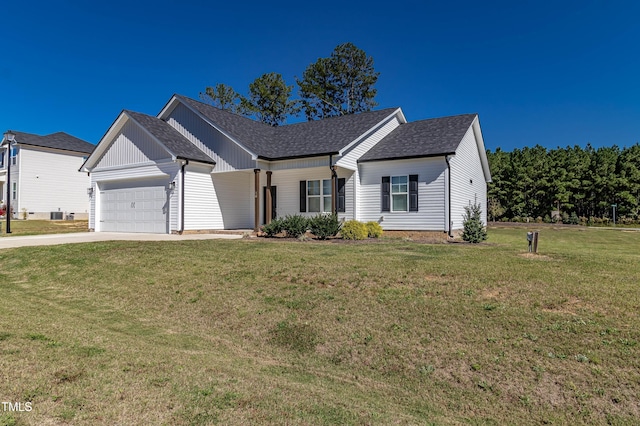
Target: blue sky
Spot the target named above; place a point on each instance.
(554, 73)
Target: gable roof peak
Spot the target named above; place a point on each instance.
(303, 139)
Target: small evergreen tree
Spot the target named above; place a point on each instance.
(474, 231)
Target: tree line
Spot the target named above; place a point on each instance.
(572, 183)
(336, 85)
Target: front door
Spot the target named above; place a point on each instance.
(273, 203)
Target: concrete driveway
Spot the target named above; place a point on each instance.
(88, 237)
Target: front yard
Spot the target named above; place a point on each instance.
(252, 332)
(37, 227)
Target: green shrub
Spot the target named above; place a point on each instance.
(295, 225)
(273, 228)
(474, 231)
(374, 230)
(354, 230)
(574, 219)
(324, 226)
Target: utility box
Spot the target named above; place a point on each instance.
(532, 239)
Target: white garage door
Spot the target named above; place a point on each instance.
(130, 208)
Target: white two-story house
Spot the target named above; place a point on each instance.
(45, 182)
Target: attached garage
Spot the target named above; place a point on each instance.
(134, 206)
(137, 175)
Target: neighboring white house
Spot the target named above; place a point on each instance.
(45, 182)
(197, 167)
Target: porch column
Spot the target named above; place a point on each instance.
(256, 225)
(269, 211)
(334, 190)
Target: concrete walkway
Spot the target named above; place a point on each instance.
(88, 237)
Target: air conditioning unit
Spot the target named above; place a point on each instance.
(56, 215)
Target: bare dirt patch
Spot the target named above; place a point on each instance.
(535, 256)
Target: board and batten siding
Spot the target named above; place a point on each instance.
(288, 189)
(167, 171)
(431, 194)
(468, 183)
(50, 181)
(350, 158)
(132, 145)
(228, 155)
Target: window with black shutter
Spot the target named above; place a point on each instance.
(413, 193)
(303, 196)
(385, 193)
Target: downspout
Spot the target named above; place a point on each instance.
(182, 196)
(447, 158)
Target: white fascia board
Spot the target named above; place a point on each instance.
(105, 143)
(173, 103)
(481, 149)
(397, 113)
(134, 166)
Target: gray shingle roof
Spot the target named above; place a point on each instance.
(425, 138)
(59, 140)
(177, 144)
(250, 133)
(308, 139)
(323, 137)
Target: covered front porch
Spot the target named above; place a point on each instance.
(304, 191)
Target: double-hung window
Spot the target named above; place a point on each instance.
(319, 195)
(315, 195)
(14, 192)
(399, 193)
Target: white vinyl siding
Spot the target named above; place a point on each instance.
(228, 155)
(49, 181)
(431, 194)
(288, 189)
(298, 163)
(218, 200)
(201, 206)
(350, 158)
(234, 191)
(132, 145)
(467, 180)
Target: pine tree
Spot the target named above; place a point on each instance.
(474, 230)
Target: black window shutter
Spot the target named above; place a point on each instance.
(385, 194)
(341, 199)
(413, 193)
(303, 196)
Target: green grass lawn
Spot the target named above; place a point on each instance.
(263, 332)
(37, 227)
